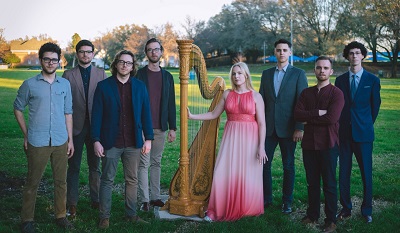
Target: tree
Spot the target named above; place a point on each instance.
(4, 46)
(137, 41)
(389, 14)
(11, 58)
(318, 20)
(192, 27)
(63, 62)
(168, 37)
(75, 39)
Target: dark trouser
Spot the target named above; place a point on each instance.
(363, 154)
(287, 147)
(74, 165)
(321, 163)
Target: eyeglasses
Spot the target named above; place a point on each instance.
(127, 63)
(354, 53)
(50, 60)
(83, 52)
(156, 50)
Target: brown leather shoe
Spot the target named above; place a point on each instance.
(329, 227)
(307, 220)
(95, 205)
(71, 211)
(64, 223)
(145, 207)
(136, 219)
(157, 202)
(104, 223)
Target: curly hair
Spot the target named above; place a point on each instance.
(116, 59)
(354, 45)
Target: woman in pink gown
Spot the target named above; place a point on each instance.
(237, 188)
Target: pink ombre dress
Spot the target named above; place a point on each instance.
(237, 188)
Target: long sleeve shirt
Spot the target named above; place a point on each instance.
(320, 132)
(48, 105)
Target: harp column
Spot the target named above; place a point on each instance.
(185, 48)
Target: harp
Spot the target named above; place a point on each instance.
(191, 185)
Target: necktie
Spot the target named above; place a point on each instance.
(353, 88)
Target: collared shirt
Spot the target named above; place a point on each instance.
(358, 77)
(278, 77)
(126, 135)
(48, 105)
(320, 132)
(85, 73)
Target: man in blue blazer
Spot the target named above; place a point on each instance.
(361, 91)
(121, 118)
(280, 88)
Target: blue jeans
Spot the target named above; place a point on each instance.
(74, 165)
(130, 160)
(321, 163)
(287, 147)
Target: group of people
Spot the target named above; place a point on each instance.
(126, 117)
(330, 121)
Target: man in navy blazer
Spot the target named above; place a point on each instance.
(361, 91)
(121, 118)
(280, 88)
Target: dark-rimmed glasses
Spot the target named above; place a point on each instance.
(127, 63)
(156, 50)
(87, 52)
(50, 60)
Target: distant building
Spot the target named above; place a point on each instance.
(27, 51)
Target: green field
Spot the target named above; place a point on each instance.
(386, 177)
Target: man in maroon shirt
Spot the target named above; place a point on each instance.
(319, 109)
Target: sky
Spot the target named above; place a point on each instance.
(60, 19)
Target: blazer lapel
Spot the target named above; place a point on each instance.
(270, 79)
(78, 80)
(114, 89)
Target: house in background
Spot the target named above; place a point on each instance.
(27, 51)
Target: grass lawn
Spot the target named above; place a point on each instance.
(386, 176)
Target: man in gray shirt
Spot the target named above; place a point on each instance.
(48, 135)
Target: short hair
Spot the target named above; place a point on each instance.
(49, 47)
(282, 41)
(116, 59)
(152, 40)
(322, 57)
(83, 43)
(354, 45)
(246, 71)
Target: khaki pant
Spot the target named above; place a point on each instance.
(37, 161)
(154, 161)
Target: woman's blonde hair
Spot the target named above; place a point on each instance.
(246, 71)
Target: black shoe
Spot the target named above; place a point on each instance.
(342, 215)
(306, 220)
(157, 202)
(64, 223)
(28, 227)
(367, 218)
(286, 208)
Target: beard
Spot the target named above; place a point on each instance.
(154, 60)
(49, 70)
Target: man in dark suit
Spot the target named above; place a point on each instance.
(280, 88)
(83, 79)
(121, 129)
(356, 132)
